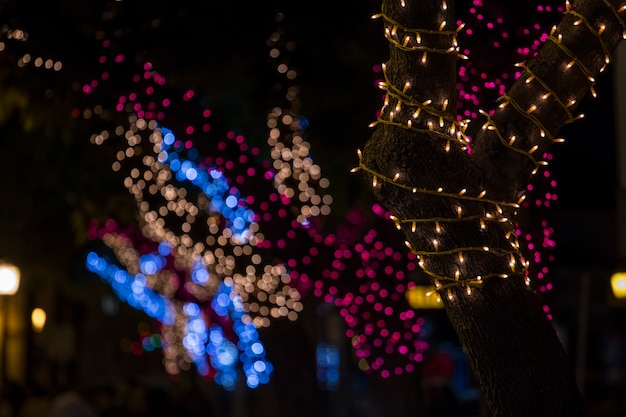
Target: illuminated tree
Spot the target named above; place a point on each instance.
(457, 209)
(355, 267)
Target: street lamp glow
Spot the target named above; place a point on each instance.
(9, 279)
(38, 319)
(618, 284)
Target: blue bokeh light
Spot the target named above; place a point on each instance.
(328, 361)
(151, 263)
(212, 182)
(252, 353)
(196, 337)
(199, 273)
(132, 289)
(200, 340)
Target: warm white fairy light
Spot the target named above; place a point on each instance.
(434, 122)
(297, 178)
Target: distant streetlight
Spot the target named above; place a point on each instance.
(618, 284)
(9, 278)
(38, 319)
(9, 284)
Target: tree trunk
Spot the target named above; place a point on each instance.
(456, 209)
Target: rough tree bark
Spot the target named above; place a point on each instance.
(456, 208)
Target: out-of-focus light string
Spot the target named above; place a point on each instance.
(384, 331)
(296, 174)
(144, 105)
(253, 289)
(223, 197)
(183, 246)
(132, 289)
(196, 337)
(256, 368)
(22, 36)
(199, 335)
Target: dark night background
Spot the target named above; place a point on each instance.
(54, 181)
